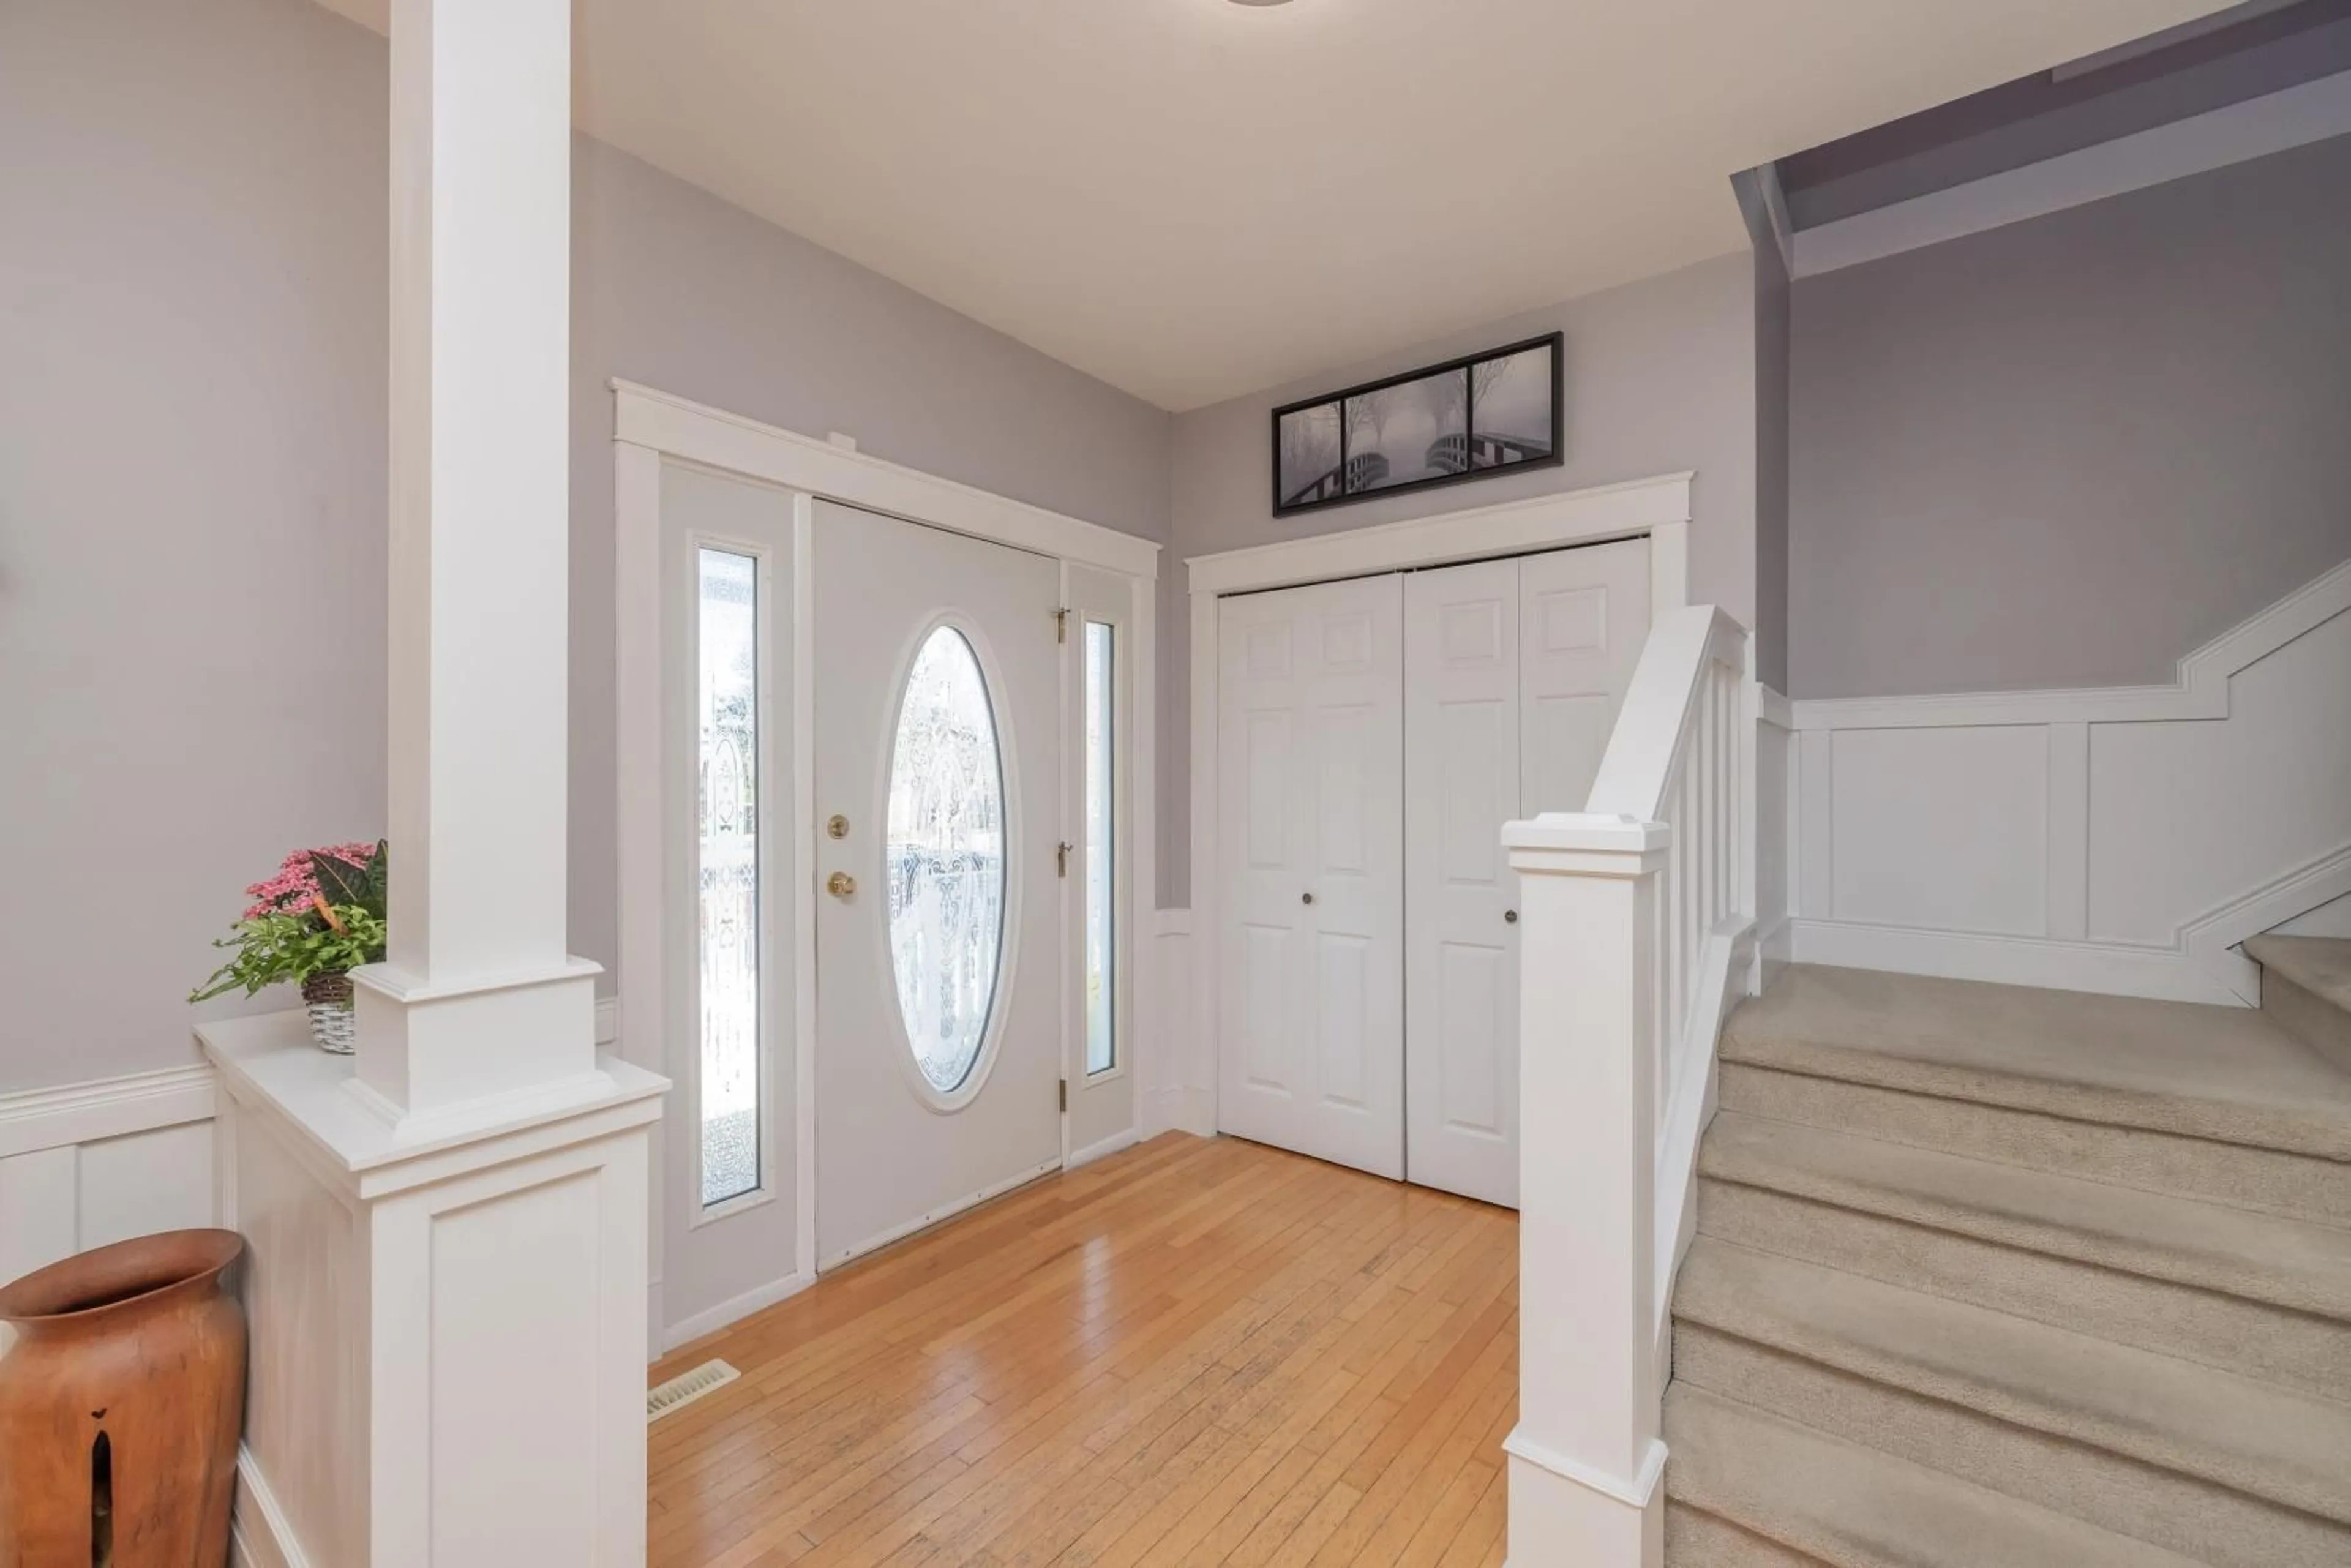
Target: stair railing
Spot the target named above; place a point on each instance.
(1638, 916)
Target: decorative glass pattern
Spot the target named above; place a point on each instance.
(1102, 857)
(945, 865)
(727, 690)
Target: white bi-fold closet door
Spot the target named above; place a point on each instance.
(1310, 799)
(1513, 673)
(1375, 735)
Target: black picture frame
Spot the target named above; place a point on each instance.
(1355, 476)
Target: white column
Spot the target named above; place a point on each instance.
(479, 998)
(448, 1297)
(1585, 1458)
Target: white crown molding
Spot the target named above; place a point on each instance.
(35, 1119)
(678, 427)
(2200, 691)
(2294, 117)
(1510, 527)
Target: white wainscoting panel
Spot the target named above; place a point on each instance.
(2121, 839)
(93, 1163)
(2229, 804)
(304, 1292)
(1972, 804)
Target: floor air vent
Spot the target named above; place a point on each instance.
(687, 1387)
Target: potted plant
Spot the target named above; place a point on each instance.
(321, 916)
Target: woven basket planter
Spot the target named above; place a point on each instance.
(328, 998)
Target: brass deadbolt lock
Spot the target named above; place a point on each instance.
(838, 826)
(840, 885)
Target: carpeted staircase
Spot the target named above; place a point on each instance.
(1995, 1278)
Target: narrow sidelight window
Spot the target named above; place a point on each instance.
(1101, 853)
(727, 693)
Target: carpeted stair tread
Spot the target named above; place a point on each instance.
(2223, 1074)
(2303, 1187)
(2284, 1262)
(2277, 1344)
(1848, 1506)
(2266, 1441)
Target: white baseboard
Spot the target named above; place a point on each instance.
(1104, 1149)
(1180, 1111)
(733, 1311)
(259, 1535)
(2165, 974)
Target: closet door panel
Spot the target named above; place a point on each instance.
(1311, 1039)
(1583, 615)
(1462, 727)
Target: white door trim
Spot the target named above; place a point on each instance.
(1658, 507)
(650, 425)
(677, 427)
(1653, 507)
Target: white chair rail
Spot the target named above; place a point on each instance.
(1638, 916)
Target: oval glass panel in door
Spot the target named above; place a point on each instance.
(946, 865)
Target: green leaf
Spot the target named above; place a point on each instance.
(339, 879)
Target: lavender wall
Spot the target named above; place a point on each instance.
(193, 307)
(2067, 452)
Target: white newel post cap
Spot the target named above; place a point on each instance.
(1587, 843)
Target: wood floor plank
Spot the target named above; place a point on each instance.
(1197, 1351)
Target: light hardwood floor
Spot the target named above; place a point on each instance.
(1199, 1351)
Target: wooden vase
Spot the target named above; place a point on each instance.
(121, 1403)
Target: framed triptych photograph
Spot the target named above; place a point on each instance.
(1464, 419)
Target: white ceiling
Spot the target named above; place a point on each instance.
(1193, 199)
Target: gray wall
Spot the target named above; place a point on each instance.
(192, 307)
(2069, 450)
(1660, 377)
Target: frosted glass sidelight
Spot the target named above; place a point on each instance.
(1102, 858)
(946, 867)
(727, 696)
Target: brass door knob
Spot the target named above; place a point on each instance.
(840, 885)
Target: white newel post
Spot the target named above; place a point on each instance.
(447, 1295)
(1585, 1458)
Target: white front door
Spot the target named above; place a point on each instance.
(1514, 672)
(938, 780)
(1310, 817)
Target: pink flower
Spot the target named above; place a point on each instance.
(296, 882)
